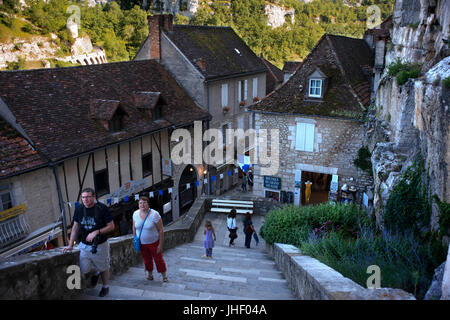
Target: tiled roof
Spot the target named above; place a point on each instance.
(274, 76)
(291, 66)
(16, 155)
(101, 109)
(53, 105)
(215, 51)
(346, 63)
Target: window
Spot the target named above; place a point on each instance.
(147, 164)
(255, 87)
(115, 124)
(101, 182)
(242, 90)
(5, 200)
(315, 88)
(224, 95)
(304, 138)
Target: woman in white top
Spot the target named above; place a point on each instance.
(152, 237)
(231, 225)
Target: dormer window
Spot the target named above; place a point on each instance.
(149, 103)
(315, 88)
(316, 84)
(109, 113)
(116, 123)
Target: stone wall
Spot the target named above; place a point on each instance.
(309, 279)
(336, 145)
(44, 274)
(414, 118)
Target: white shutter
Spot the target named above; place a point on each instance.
(304, 137)
(245, 90)
(300, 137)
(309, 137)
(224, 94)
(239, 91)
(241, 122)
(255, 87)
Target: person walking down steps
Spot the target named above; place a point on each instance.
(210, 237)
(231, 225)
(248, 229)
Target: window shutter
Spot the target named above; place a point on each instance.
(300, 137)
(255, 87)
(309, 137)
(239, 91)
(245, 90)
(224, 95)
(241, 122)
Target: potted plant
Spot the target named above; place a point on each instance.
(226, 109)
(255, 99)
(242, 103)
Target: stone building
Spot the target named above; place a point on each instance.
(105, 126)
(319, 114)
(219, 72)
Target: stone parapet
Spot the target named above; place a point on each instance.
(309, 279)
(45, 274)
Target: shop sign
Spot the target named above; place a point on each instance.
(272, 182)
(128, 189)
(167, 167)
(13, 212)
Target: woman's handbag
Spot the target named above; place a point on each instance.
(136, 239)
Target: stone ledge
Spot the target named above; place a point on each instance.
(309, 279)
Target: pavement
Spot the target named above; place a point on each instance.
(234, 273)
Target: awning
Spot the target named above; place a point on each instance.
(30, 244)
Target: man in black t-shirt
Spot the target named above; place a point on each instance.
(94, 221)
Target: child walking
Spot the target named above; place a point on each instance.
(209, 241)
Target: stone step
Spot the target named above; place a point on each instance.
(234, 273)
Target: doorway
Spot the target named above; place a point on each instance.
(320, 187)
(187, 190)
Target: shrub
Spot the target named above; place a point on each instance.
(446, 83)
(293, 224)
(363, 160)
(404, 262)
(408, 202)
(403, 71)
(16, 65)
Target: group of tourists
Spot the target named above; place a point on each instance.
(92, 221)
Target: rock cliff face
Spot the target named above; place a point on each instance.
(413, 118)
(277, 15)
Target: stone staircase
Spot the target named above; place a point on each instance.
(234, 273)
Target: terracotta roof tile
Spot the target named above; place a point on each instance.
(215, 51)
(53, 105)
(16, 155)
(347, 83)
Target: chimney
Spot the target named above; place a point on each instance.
(168, 22)
(154, 36)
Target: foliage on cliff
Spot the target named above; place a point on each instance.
(292, 41)
(120, 27)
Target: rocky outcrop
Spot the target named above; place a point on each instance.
(277, 15)
(38, 48)
(413, 118)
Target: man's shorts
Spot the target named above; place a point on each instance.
(99, 261)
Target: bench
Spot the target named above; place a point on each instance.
(225, 206)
